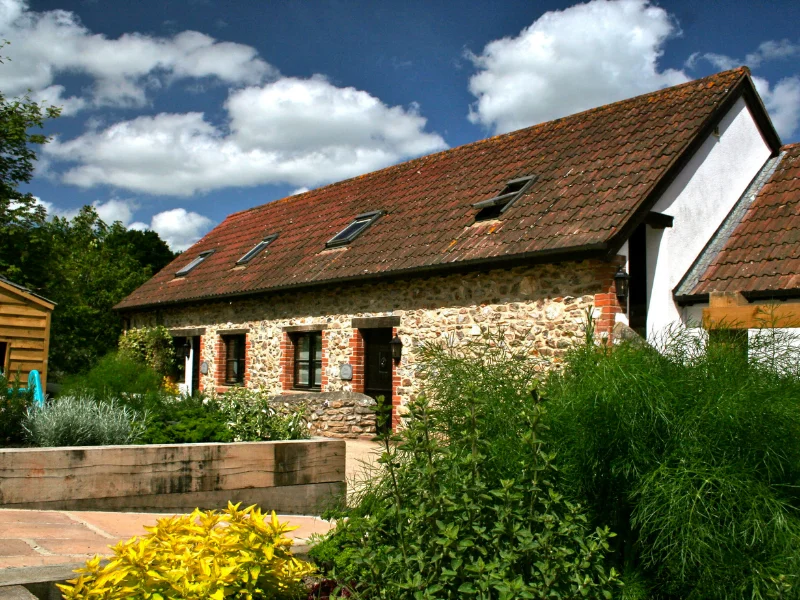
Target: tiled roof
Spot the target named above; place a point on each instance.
(596, 171)
(762, 254)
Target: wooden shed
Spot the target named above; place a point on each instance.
(24, 331)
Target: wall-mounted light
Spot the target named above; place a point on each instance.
(622, 284)
(187, 348)
(397, 348)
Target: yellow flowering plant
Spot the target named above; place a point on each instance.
(207, 554)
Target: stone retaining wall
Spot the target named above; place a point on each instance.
(291, 477)
(333, 414)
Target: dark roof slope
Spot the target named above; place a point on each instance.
(596, 171)
(762, 255)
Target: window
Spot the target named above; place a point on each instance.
(234, 359)
(308, 360)
(352, 231)
(251, 254)
(494, 207)
(3, 352)
(200, 258)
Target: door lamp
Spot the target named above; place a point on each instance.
(622, 284)
(397, 348)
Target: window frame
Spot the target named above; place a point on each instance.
(240, 358)
(257, 249)
(494, 207)
(195, 262)
(312, 361)
(368, 218)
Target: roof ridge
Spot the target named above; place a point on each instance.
(744, 71)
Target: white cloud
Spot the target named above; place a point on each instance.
(300, 190)
(179, 227)
(115, 209)
(783, 103)
(772, 50)
(47, 44)
(570, 60)
(298, 131)
(782, 100)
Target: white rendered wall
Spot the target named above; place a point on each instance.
(186, 387)
(701, 196)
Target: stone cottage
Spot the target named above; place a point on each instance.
(620, 209)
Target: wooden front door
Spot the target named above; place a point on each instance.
(378, 364)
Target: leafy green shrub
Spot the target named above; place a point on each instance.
(185, 420)
(231, 554)
(151, 346)
(456, 511)
(251, 417)
(115, 376)
(82, 421)
(14, 401)
(690, 451)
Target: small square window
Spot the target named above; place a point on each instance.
(308, 360)
(234, 358)
(192, 265)
(513, 190)
(256, 250)
(352, 231)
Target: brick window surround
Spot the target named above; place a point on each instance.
(221, 344)
(289, 348)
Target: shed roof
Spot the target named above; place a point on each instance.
(26, 293)
(597, 174)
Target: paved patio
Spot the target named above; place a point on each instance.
(45, 545)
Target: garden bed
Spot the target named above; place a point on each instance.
(290, 477)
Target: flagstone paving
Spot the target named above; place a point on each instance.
(39, 538)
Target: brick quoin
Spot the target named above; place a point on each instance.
(324, 381)
(199, 362)
(606, 301)
(287, 362)
(357, 361)
(396, 398)
(247, 360)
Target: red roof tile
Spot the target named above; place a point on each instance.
(595, 168)
(762, 254)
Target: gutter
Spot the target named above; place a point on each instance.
(577, 253)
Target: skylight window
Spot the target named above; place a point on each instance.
(494, 207)
(352, 231)
(254, 251)
(200, 258)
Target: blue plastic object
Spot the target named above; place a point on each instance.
(35, 385)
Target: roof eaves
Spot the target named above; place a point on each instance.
(691, 279)
(584, 252)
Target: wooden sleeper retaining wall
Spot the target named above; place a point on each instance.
(289, 477)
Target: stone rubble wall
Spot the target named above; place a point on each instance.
(333, 414)
(540, 310)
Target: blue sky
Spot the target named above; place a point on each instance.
(177, 113)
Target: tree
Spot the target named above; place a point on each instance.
(21, 218)
(146, 247)
(92, 270)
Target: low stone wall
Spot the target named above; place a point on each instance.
(292, 477)
(334, 414)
